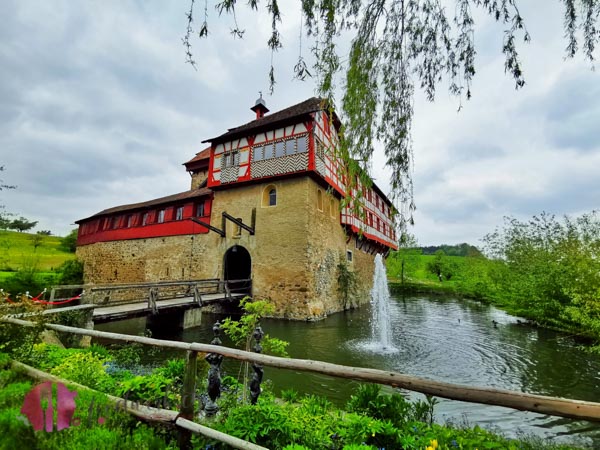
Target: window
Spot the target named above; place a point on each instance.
(161, 216)
(145, 219)
(349, 255)
(280, 149)
(129, 221)
(302, 144)
(200, 210)
(268, 150)
(332, 208)
(179, 213)
(269, 196)
(115, 222)
(257, 153)
(319, 200)
(230, 159)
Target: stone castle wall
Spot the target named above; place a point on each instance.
(295, 251)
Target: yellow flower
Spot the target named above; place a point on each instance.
(430, 448)
(434, 444)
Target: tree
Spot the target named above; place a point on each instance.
(407, 256)
(69, 242)
(397, 46)
(4, 217)
(71, 272)
(36, 241)
(22, 224)
(2, 185)
(552, 267)
(441, 266)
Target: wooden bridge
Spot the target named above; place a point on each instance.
(123, 301)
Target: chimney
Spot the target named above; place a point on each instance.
(260, 107)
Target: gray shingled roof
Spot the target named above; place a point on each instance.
(194, 193)
(306, 107)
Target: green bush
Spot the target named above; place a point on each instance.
(85, 368)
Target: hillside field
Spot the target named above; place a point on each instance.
(17, 252)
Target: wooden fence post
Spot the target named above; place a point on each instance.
(188, 397)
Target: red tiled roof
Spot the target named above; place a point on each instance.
(194, 193)
(204, 154)
(306, 107)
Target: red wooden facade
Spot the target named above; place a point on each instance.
(162, 217)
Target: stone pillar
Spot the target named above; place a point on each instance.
(192, 317)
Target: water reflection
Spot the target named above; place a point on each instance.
(442, 339)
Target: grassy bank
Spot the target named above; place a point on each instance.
(17, 251)
(32, 262)
(370, 420)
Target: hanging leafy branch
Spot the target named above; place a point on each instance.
(397, 46)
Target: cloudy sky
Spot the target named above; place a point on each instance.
(98, 109)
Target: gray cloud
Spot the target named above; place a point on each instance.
(98, 108)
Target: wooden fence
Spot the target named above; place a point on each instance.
(575, 409)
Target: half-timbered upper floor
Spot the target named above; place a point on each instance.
(296, 141)
(299, 140)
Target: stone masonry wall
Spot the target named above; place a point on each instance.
(295, 251)
(327, 246)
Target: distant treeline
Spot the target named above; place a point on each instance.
(463, 249)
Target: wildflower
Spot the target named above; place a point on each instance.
(434, 444)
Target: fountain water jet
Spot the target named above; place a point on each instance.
(381, 332)
(380, 341)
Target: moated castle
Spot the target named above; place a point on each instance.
(264, 205)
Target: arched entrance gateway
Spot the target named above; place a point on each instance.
(237, 267)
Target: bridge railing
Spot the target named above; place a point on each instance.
(116, 294)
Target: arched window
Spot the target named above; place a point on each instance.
(269, 197)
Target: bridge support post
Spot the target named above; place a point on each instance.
(192, 317)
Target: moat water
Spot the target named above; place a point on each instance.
(445, 339)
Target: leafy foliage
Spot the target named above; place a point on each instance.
(70, 272)
(119, 430)
(441, 266)
(372, 421)
(21, 224)
(240, 331)
(85, 368)
(549, 269)
(463, 249)
(69, 242)
(546, 269)
(347, 282)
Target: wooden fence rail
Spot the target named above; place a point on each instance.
(576, 409)
(148, 413)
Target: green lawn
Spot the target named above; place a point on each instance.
(17, 251)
